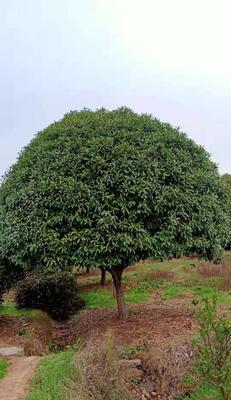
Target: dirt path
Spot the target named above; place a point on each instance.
(16, 383)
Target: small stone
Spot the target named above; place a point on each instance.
(130, 363)
(146, 394)
(11, 351)
(148, 386)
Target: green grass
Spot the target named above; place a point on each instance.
(140, 284)
(52, 377)
(208, 291)
(204, 392)
(100, 298)
(149, 268)
(172, 290)
(104, 298)
(150, 285)
(136, 295)
(11, 310)
(129, 351)
(3, 368)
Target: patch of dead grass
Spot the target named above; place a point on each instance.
(99, 375)
(161, 274)
(223, 272)
(211, 270)
(167, 364)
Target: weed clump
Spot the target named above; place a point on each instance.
(129, 351)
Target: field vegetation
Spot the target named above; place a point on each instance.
(169, 361)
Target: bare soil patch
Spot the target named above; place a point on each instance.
(152, 321)
(31, 334)
(95, 286)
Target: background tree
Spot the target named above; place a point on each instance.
(106, 189)
(103, 277)
(226, 181)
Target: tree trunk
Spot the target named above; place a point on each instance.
(103, 277)
(117, 275)
(113, 290)
(88, 270)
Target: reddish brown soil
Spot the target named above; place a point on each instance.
(32, 334)
(150, 321)
(95, 286)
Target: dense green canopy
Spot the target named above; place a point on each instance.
(104, 189)
(101, 188)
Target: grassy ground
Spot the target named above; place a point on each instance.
(143, 282)
(165, 281)
(52, 377)
(203, 393)
(3, 368)
(11, 310)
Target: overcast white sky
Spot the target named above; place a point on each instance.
(170, 58)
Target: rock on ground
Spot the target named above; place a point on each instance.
(11, 351)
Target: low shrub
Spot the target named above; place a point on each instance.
(56, 293)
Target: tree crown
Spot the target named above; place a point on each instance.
(108, 188)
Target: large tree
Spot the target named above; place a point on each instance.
(105, 189)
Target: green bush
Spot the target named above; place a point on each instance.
(214, 348)
(56, 293)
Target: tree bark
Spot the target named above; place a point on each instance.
(117, 275)
(103, 277)
(113, 290)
